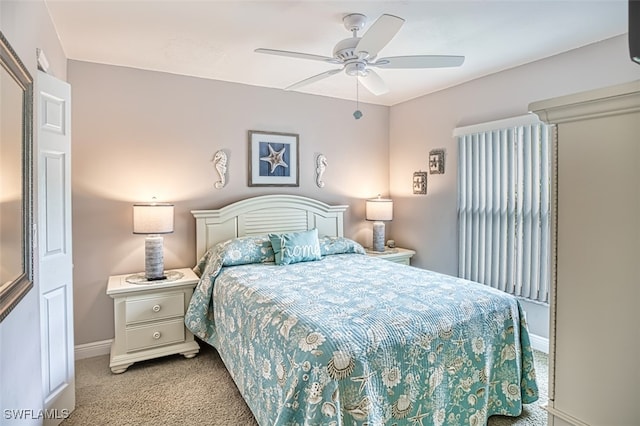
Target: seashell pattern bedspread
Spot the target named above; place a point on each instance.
(354, 340)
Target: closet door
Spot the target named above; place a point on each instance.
(594, 332)
(55, 268)
(597, 292)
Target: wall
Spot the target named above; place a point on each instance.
(27, 26)
(138, 134)
(429, 223)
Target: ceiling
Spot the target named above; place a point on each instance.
(216, 39)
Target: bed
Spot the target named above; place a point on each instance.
(348, 339)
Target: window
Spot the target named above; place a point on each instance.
(504, 206)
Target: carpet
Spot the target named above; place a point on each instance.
(174, 391)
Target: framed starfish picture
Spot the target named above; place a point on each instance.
(273, 159)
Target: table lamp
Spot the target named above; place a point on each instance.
(378, 210)
(153, 219)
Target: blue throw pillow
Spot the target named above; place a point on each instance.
(339, 245)
(248, 249)
(238, 251)
(294, 247)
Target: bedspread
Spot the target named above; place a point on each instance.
(353, 340)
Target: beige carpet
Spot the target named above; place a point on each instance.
(198, 391)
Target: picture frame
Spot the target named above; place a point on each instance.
(273, 159)
(420, 183)
(436, 161)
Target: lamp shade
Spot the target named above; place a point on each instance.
(379, 209)
(152, 218)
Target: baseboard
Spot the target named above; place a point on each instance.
(539, 343)
(566, 418)
(89, 350)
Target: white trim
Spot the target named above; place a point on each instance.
(43, 63)
(620, 99)
(521, 120)
(89, 350)
(539, 343)
(564, 416)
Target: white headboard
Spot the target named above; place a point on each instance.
(264, 214)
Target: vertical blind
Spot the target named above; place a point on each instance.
(504, 206)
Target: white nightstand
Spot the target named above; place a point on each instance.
(397, 254)
(149, 318)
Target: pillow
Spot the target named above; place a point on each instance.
(296, 247)
(238, 251)
(339, 245)
(249, 249)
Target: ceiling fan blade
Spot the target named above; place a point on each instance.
(298, 55)
(380, 33)
(419, 61)
(313, 79)
(374, 83)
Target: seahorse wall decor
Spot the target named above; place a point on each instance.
(220, 162)
(321, 165)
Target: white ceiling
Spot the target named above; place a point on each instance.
(216, 39)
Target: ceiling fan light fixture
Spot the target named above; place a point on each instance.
(356, 68)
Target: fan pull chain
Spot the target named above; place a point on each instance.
(357, 114)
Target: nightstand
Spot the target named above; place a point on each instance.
(149, 317)
(397, 255)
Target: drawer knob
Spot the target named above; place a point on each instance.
(156, 308)
(156, 335)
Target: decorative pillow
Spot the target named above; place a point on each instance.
(339, 245)
(249, 249)
(238, 251)
(296, 247)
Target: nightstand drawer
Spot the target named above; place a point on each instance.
(148, 336)
(149, 308)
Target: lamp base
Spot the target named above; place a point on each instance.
(162, 278)
(378, 236)
(153, 258)
(142, 279)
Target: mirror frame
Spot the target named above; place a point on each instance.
(12, 292)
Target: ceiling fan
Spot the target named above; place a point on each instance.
(358, 55)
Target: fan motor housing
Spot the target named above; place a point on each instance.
(346, 49)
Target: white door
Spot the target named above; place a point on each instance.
(55, 267)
